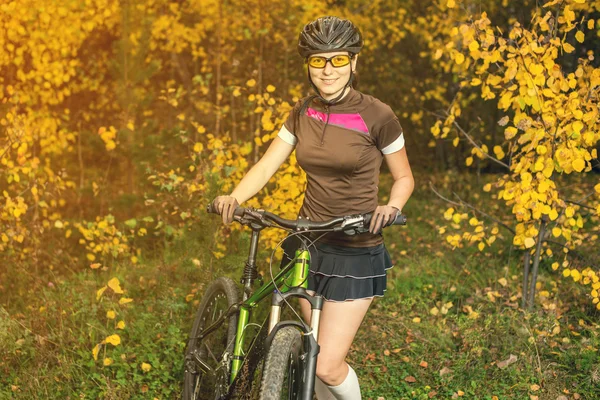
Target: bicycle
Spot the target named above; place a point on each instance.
(216, 367)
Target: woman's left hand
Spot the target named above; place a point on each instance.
(383, 216)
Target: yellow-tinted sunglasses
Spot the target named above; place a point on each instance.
(340, 60)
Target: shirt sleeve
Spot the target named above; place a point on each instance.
(390, 137)
(287, 136)
(291, 122)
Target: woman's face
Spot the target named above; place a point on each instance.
(331, 80)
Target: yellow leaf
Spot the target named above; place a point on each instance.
(146, 367)
(469, 161)
(95, 351)
(460, 58)
(198, 147)
(556, 231)
(455, 141)
(503, 282)
(451, 4)
(487, 187)
(201, 129)
(597, 188)
(121, 325)
(91, 257)
(434, 311)
(270, 88)
(566, 273)
(99, 292)
(107, 362)
(251, 83)
(236, 92)
(115, 340)
(578, 164)
(95, 265)
(580, 36)
(481, 246)
(111, 314)
(529, 242)
(125, 300)
(115, 285)
(568, 48)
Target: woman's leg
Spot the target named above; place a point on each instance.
(339, 323)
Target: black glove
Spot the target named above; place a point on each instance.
(225, 205)
(383, 216)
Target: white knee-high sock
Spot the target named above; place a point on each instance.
(347, 390)
(321, 390)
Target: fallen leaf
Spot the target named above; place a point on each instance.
(424, 364)
(511, 360)
(445, 371)
(431, 394)
(410, 379)
(115, 285)
(115, 340)
(534, 387)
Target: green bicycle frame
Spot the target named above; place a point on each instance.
(295, 274)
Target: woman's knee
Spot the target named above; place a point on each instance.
(331, 372)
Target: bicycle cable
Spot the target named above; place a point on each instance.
(311, 243)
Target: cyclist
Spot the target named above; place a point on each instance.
(341, 137)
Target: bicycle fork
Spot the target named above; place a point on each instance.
(310, 334)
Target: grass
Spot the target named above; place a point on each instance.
(50, 322)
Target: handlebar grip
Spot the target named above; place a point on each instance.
(400, 220)
(239, 211)
(211, 209)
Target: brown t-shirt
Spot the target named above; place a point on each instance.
(341, 149)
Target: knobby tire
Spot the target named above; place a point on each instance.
(218, 298)
(282, 377)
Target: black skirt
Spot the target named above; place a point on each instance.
(344, 273)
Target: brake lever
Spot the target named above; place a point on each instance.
(352, 225)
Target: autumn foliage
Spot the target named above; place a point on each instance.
(119, 121)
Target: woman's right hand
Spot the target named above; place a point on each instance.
(225, 205)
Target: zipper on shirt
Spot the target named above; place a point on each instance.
(325, 126)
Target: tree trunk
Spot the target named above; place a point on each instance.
(536, 262)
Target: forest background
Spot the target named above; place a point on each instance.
(121, 120)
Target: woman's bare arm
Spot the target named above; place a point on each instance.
(404, 182)
(263, 170)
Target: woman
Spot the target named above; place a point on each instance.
(341, 137)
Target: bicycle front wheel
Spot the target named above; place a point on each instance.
(282, 378)
(214, 350)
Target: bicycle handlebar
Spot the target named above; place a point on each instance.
(355, 223)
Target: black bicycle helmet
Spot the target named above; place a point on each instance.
(327, 34)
